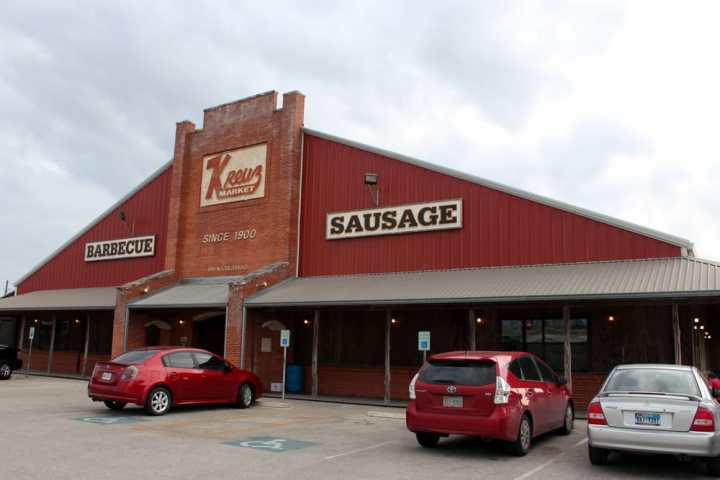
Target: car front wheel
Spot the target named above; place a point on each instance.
(598, 456)
(521, 445)
(5, 371)
(159, 401)
(427, 440)
(246, 396)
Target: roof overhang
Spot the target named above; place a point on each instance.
(664, 278)
(185, 295)
(68, 299)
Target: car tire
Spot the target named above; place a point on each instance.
(521, 445)
(245, 396)
(113, 405)
(713, 467)
(568, 420)
(427, 440)
(159, 401)
(5, 371)
(598, 456)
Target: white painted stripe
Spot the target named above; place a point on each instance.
(359, 450)
(529, 473)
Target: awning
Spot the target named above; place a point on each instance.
(186, 295)
(655, 278)
(68, 299)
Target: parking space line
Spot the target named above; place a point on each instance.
(543, 465)
(359, 450)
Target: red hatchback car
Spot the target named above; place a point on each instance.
(511, 396)
(161, 377)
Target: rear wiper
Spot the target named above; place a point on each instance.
(664, 394)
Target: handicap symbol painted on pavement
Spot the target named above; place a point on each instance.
(270, 444)
(110, 420)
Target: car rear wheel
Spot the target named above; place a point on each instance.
(713, 467)
(569, 420)
(159, 401)
(245, 396)
(521, 445)
(113, 405)
(5, 371)
(598, 456)
(427, 440)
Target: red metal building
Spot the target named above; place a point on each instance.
(259, 224)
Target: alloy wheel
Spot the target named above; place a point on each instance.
(525, 433)
(247, 395)
(160, 401)
(569, 418)
(5, 370)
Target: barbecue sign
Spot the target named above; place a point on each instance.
(121, 248)
(233, 176)
(417, 217)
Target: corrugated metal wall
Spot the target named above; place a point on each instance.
(147, 210)
(498, 229)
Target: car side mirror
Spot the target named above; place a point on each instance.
(228, 367)
(716, 392)
(561, 380)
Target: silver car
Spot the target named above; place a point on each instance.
(665, 409)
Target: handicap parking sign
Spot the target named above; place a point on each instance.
(270, 444)
(424, 341)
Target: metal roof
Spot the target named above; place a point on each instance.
(623, 279)
(97, 220)
(67, 299)
(186, 295)
(615, 222)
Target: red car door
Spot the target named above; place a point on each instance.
(218, 384)
(183, 377)
(555, 397)
(537, 394)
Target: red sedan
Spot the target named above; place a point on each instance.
(161, 377)
(511, 396)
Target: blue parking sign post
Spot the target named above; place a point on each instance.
(424, 343)
(284, 343)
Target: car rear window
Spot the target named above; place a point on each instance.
(658, 380)
(134, 358)
(448, 372)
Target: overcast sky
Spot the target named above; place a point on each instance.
(610, 106)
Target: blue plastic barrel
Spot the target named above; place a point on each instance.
(295, 380)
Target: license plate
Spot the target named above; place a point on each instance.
(107, 376)
(453, 402)
(652, 419)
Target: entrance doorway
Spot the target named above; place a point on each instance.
(209, 334)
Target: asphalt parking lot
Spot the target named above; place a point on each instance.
(51, 430)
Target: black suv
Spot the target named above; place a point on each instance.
(9, 361)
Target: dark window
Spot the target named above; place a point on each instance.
(546, 372)
(179, 360)
(530, 372)
(209, 362)
(546, 339)
(134, 358)
(516, 370)
(458, 373)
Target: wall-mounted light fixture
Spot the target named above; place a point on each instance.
(306, 322)
(371, 180)
(146, 289)
(696, 320)
(702, 327)
(181, 322)
(611, 318)
(77, 320)
(393, 321)
(479, 320)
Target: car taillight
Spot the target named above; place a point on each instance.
(595, 414)
(130, 373)
(704, 420)
(502, 391)
(411, 388)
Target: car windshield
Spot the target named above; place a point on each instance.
(134, 358)
(458, 372)
(658, 380)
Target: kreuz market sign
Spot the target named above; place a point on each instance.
(233, 176)
(122, 248)
(418, 217)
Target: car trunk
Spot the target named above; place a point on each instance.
(649, 412)
(107, 373)
(457, 387)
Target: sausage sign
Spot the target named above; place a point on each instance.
(417, 217)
